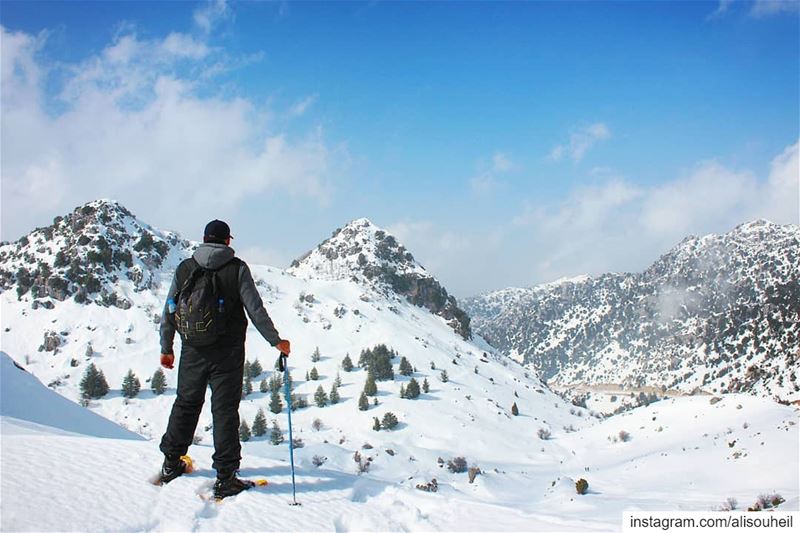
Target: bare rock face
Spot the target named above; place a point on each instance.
(719, 312)
(364, 253)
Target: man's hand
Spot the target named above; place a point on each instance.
(284, 347)
(168, 360)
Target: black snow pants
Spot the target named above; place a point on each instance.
(222, 368)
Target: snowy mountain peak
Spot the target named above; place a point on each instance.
(369, 255)
(98, 253)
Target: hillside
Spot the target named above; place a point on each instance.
(717, 313)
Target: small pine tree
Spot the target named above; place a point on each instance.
(315, 357)
(405, 367)
(402, 391)
(389, 421)
(314, 375)
(246, 370)
(275, 404)
(412, 391)
(275, 382)
(425, 386)
(363, 402)
(248, 386)
(320, 397)
(370, 388)
(263, 386)
(347, 363)
(159, 382)
(244, 431)
(444, 377)
(376, 424)
(433, 365)
(93, 384)
(334, 394)
(307, 377)
(338, 380)
(260, 423)
(275, 435)
(255, 369)
(131, 385)
(514, 409)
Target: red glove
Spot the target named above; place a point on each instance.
(168, 360)
(284, 347)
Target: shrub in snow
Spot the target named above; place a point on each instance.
(275, 435)
(244, 431)
(543, 433)
(457, 465)
(473, 472)
(433, 486)
(260, 423)
(131, 385)
(766, 501)
(297, 442)
(158, 383)
(298, 402)
(347, 363)
(389, 421)
(581, 486)
(624, 436)
(376, 424)
(444, 377)
(361, 463)
(316, 425)
(514, 409)
(93, 384)
(318, 460)
(729, 504)
(366, 446)
(321, 397)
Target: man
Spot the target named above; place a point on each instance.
(217, 359)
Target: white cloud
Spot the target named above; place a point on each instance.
(766, 8)
(133, 125)
(580, 141)
(212, 13)
(301, 106)
(487, 181)
(722, 8)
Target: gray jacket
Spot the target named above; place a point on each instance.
(213, 256)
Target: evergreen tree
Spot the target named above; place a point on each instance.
(444, 377)
(315, 357)
(93, 384)
(514, 409)
(131, 385)
(248, 386)
(263, 386)
(402, 391)
(320, 397)
(425, 386)
(255, 369)
(382, 367)
(275, 404)
(412, 391)
(433, 365)
(275, 382)
(389, 421)
(405, 367)
(338, 380)
(260, 423)
(298, 402)
(376, 425)
(370, 388)
(363, 402)
(275, 435)
(364, 358)
(246, 370)
(347, 363)
(159, 382)
(314, 375)
(334, 394)
(244, 431)
(308, 378)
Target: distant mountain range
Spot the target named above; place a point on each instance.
(719, 312)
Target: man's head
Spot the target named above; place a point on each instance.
(218, 232)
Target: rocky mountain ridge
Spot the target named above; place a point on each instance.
(718, 312)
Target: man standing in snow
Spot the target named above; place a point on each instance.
(212, 283)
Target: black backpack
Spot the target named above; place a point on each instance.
(201, 317)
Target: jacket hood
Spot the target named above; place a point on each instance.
(212, 255)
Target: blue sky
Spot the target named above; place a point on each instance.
(505, 143)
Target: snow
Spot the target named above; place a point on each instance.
(678, 457)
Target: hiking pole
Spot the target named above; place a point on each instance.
(288, 393)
